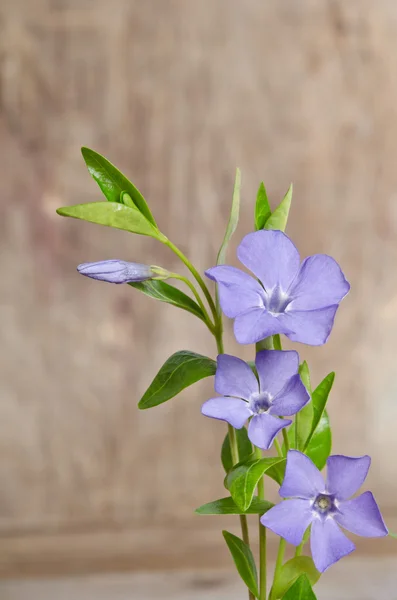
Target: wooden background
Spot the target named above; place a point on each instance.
(178, 93)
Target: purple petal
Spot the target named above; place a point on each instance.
(328, 543)
(291, 399)
(116, 271)
(263, 429)
(271, 256)
(362, 516)
(238, 291)
(289, 519)
(345, 475)
(234, 377)
(320, 283)
(231, 410)
(274, 368)
(311, 327)
(257, 324)
(302, 478)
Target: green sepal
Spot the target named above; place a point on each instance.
(393, 535)
(233, 219)
(244, 448)
(278, 218)
(160, 290)
(227, 506)
(301, 590)
(291, 571)
(112, 182)
(112, 214)
(262, 207)
(242, 480)
(244, 561)
(180, 370)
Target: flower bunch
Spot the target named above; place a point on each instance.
(279, 296)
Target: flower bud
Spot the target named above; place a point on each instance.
(116, 271)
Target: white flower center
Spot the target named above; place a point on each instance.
(324, 504)
(276, 300)
(260, 402)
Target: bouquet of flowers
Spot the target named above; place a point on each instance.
(267, 403)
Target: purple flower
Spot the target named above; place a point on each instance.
(325, 506)
(299, 300)
(116, 271)
(280, 392)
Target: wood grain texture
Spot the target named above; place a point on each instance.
(365, 579)
(177, 93)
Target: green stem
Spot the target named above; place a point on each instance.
(262, 538)
(196, 275)
(299, 549)
(235, 459)
(286, 440)
(279, 565)
(278, 448)
(208, 321)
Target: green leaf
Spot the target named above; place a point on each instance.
(242, 480)
(304, 419)
(112, 214)
(178, 372)
(319, 400)
(227, 506)
(112, 182)
(160, 290)
(262, 207)
(319, 447)
(244, 561)
(393, 535)
(301, 590)
(293, 569)
(233, 219)
(244, 449)
(278, 218)
(127, 200)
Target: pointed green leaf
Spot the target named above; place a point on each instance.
(320, 445)
(262, 207)
(301, 590)
(233, 219)
(112, 182)
(242, 480)
(181, 370)
(319, 400)
(227, 506)
(244, 449)
(292, 570)
(112, 214)
(244, 561)
(127, 200)
(160, 290)
(278, 218)
(303, 419)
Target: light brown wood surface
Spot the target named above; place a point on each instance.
(178, 93)
(353, 579)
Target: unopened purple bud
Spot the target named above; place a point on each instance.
(116, 271)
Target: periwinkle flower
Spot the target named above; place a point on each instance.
(326, 506)
(279, 392)
(298, 300)
(116, 271)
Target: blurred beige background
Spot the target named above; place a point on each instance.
(178, 93)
